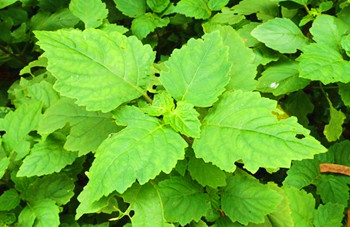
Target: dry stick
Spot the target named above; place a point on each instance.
(334, 168)
(348, 218)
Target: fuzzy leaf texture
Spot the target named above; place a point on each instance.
(191, 75)
(242, 125)
(139, 152)
(101, 70)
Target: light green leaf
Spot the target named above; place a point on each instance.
(46, 157)
(5, 3)
(334, 129)
(246, 200)
(135, 153)
(147, 204)
(51, 22)
(9, 199)
(330, 214)
(244, 126)
(4, 164)
(191, 74)
(147, 23)
(158, 6)
(299, 104)
(345, 43)
(302, 205)
(243, 70)
(205, 173)
(328, 30)
(101, 70)
(193, 8)
(162, 102)
(113, 28)
(281, 78)
(184, 119)
(91, 12)
(18, 124)
(217, 5)
(264, 9)
(333, 189)
(105, 204)
(132, 8)
(265, 55)
(280, 34)
(245, 33)
(88, 129)
(40, 62)
(57, 187)
(226, 17)
(301, 2)
(323, 63)
(344, 92)
(44, 212)
(183, 199)
(303, 173)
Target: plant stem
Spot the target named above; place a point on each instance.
(21, 59)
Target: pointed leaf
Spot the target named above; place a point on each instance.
(206, 174)
(9, 199)
(88, 129)
(264, 9)
(101, 70)
(193, 8)
(281, 78)
(334, 129)
(147, 23)
(328, 30)
(344, 92)
(133, 8)
(330, 214)
(102, 205)
(44, 212)
(246, 200)
(46, 157)
(147, 205)
(162, 102)
(158, 6)
(139, 152)
(280, 34)
(242, 125)
(323, 63)
(191, 74)
(91, 12)
(184, 119)
(217, 5)
(303, 173)
(184, 200)
(299, 104)
(333, 189)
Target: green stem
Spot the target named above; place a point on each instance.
(21, 59)
(307, 9)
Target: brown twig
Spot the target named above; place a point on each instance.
(334, 168)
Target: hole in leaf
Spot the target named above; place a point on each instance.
(156, 75)
(299, 136)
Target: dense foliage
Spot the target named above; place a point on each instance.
(174, 113)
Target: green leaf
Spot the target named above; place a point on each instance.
(162, 103)
(345, 44)
(88, 129)
(243, 70)
(302, 205)
(344, 92)
(147, 23)
(101, 70)
(193, 8)
(217, 5)
(46, 157)
(280, 34)
(330, 214)
(299, 104)
(244, 126)
(184, 119)
(205, 173)
(226, 17)
(4, 164)
(328, 30)
(281, 78)
(9, 200)
(51, 22)
(158, 6)
(323, 63)
(301, 2)
(147, 205)
(133, 8)
(5, 3)
(183, 199)
(57, 187)
(91, 12)
(264, 9)
(333, 189)
(18, 124)
(191, 74)
(303, 173)
(246, 200)
(105, 204)
(44, 212)
(334, 129)
(135, 153)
